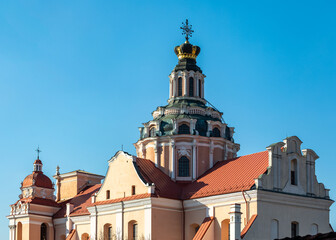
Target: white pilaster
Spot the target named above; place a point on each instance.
(119, 224)
(185, 85)
(93, 225)
(211, 151)
(156, 153)
(235, 221)
(312, 175)
(172, 146)
(148, 222)
(68, 224)
(12, 232)
(194, 156)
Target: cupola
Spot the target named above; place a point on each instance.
(37, 184)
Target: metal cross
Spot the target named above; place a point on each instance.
(186, 30)
(38, 152)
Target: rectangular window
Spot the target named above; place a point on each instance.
(133, 190)
(108, 194)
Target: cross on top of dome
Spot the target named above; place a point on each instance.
(38, 152)
(186, 30)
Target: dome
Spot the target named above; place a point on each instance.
(37, 179)
(187, 54)
(37, 161)
(187, 50)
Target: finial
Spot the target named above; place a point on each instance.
(57, 170)
(186, 30)
(38, 152)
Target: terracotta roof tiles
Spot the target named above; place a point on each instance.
(228, 176)
(248, 225)
(81, 201)
(203, 228)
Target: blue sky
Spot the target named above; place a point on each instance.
(79, 77)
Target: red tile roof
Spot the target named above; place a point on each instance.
(71, 235)
(81, 201)
(248, 225)
(39, 201)
(37, 179)
(203, 228)
(164, 186)
(228, 176)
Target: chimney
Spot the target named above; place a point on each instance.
(235, 221)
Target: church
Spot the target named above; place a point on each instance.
(186, 182)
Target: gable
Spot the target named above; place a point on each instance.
(121, 178)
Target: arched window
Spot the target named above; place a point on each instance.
(183, 129)
(179, 85)
(295, 229)
(152, 132)
(183, 167)
(108, 232)
(293, 172)
(191, 87)
(85, 236)
(314, 229)
(43, 231)
(133, 230)
(108, 194)
(199, 88)
(225, 229)
(133, 189)
(274, 229)
(19, 231)
(201, 127)
(215, 132)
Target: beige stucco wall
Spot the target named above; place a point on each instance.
(81, 229)
(120, 177)
(166, 224)
(202, 160)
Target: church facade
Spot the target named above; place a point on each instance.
(187, 182)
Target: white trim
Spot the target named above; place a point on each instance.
(148, 221)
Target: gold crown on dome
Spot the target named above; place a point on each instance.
(187, 50)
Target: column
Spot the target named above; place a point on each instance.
(172, 146)
(12, 232)
(174, 87)
(185, 86)
(235, 221)
(156, 153)
(194, 157)
(211, 150)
